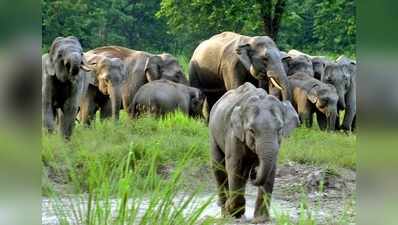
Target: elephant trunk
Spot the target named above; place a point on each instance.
(278, 78)
(341, 102)
(116, 101)
(267, 153)
(331, 123)
(72, 63)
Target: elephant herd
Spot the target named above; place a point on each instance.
(251, 93)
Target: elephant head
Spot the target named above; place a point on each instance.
(262, 58)
(108, 75)
(298, 63)
(260, 122)
(65, 59)
(164, 66)
(325, 99)
(197, 99)
(340, 77)
(319, 64)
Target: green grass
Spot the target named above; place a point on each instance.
(158, 159)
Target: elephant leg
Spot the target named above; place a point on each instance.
(348, 120)
(354, 124)
(87, 109)
(49, 118)
(322, 120)
(235, 204)
(304, 110)
(67, 119)
(211, 99)
(263, 201)
(337, 126)
(218, 166)
(106, 109)
(305, 117)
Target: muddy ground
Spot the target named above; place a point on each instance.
(328, 196)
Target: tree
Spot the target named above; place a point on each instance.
(271, 14)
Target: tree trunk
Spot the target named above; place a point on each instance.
(271, 16)
(276, 21)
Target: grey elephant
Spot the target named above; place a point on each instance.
(63, 84)
(297, 62)
(319, 63)
(104, 91)
(343, 77)
(228, 60)
(142, 67)
(246, 128)
(313, 96)
(160, 97)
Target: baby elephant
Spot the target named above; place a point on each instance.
(246, 127)
(160, 97)
(311, 95)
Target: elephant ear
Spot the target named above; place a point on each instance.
(47, 65)
(91, 61)
(244, 52)
(286, 61)
(237, 123)
(289, 117)
(123, 68)
(312, 95)
(153, 68)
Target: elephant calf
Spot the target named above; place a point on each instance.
(160, 97)
(311, 95)
(104, 89)
(246, 127)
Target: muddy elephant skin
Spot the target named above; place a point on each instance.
(142, 67)
(313, 96)
(104, 89)
(228, 60)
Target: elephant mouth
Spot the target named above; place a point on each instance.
(275, 83)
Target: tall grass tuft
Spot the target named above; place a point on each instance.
(127, 193)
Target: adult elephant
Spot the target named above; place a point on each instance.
(160, 97)
(142, 67)
(228, 60)
(313, 96)
(297, 62)
(246, 128)
(342, 75)
(63, 83)
(104, 89)
(319, 63)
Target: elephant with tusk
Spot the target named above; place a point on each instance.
(246, 128)
(228, 60)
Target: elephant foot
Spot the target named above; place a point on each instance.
(260, 220)
(236, 207)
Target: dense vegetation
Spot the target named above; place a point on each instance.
(179, 26)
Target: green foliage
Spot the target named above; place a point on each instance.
(179, 26)
(105, 22)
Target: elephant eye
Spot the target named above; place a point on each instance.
(265, 59)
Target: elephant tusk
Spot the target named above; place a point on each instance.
(275, 83)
